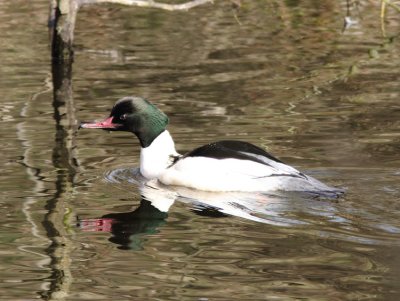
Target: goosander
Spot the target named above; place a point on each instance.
(219, 166)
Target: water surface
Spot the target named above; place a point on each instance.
(77, 226)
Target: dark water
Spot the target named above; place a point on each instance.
(78, 226)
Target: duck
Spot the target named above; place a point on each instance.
(222, 166)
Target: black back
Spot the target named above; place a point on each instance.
(231, 149)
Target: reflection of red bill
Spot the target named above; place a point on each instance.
(96, 224)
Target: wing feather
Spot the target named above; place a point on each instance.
(240, 150)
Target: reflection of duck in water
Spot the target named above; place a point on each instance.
(218, 166)
(128, 228)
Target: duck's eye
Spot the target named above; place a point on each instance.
(123, 117)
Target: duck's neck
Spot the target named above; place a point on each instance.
(155, 158)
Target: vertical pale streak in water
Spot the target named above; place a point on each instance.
(59, 250)
(66, 165)
(34, 175)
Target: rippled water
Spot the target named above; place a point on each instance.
(79, 224)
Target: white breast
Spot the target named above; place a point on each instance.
(155, 158)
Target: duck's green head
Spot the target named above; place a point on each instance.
(136, 115)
